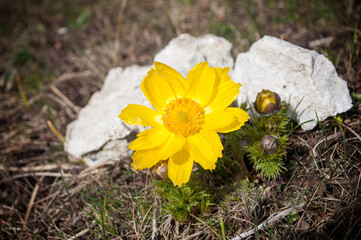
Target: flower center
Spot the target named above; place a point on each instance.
(183, 116)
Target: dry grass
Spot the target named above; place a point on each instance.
(47, 75)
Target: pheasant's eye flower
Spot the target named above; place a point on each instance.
(188, 114)
(268, 102)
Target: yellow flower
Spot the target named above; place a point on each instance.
(188, 114)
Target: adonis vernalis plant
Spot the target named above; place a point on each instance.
(188, 114)
(268, 134)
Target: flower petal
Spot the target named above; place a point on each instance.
(180, 167)
(147, 158)
(161, 85)
(139, 115)
(213, 138)
(150, 138)
(202, 82)
(239, 118)
(202, 151)
(227, 92)
(174, 78)
(173, 145)
(217, 120)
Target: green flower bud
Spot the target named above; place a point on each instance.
(269, 144)
(267, 102)
(160, 170)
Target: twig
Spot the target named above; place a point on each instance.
(323, 41)
(79, 234)
(185, 231)
(327, 138)
(164, 228)
(351, 130)
(31, 202)
(46, 167)
(43, 174)
(71, 75)
(134, 224)
(89, 169)
(63, 105)
(52, 197)
(66, 76)
(96, 168)
(195, 234)
(209, 227)
(358, 184)
(9, 135)
(67, 101)
(154, 220)
(270, 220)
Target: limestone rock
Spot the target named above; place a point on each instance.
(185, 51)
(303, 76)
(98, 134)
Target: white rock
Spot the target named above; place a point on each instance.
(185, 51)
(295, 73)
(98, 134)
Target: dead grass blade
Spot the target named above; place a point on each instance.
(31, 202)
(271, 219)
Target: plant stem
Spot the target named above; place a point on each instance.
(240, 159)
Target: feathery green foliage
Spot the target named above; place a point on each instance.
(270, 165)
(278, 125)
(182, 202)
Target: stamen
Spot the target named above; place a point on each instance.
(183, 116)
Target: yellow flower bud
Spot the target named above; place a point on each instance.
(269, 144)
(160, 170)
(267, 102)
